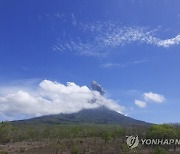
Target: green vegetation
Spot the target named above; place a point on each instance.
(159, 150)
(77, 138)
(6, 132)
(75, 150)
(23, 132)
(10, 132)
(3, 152)
(162, 132)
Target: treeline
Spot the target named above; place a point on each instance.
(37, 132)
(24, 132)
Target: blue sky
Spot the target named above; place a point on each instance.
(130, 47)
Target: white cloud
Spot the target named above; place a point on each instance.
(52, 98)
(169, 42)
(112, 65)
(154, 97)
(104, 38)
(74, 21)
(140, 104)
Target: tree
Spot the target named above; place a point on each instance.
(164, 131)
(106, 135)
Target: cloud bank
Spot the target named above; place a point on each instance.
(53, 98)
(104, 38)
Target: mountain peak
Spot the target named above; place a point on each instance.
(101, 115)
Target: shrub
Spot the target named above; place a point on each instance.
(159, 150)
(3, 152)
(75, 150)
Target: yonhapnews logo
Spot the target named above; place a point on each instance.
(134, 141)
